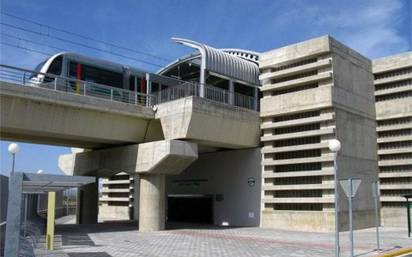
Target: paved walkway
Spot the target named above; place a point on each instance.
(123, 240)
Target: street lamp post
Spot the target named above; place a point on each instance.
(334, 146)
(13, 150)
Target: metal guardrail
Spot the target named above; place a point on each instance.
(27, 77)
(209, 92)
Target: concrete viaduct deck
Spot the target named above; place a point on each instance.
(152, 141)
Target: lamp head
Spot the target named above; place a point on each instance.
(334, 145)
(13, 148)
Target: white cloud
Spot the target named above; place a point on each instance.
(371, 28)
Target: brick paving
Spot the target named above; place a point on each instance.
(123, 240)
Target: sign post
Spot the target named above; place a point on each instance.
(376, 194)
(350, 186)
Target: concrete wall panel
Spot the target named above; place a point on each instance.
(225, 175)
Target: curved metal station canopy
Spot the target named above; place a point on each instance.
(237, 64)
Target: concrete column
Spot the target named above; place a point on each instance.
(87, 203)
(14, 215)
(152, 202)
(136, 196)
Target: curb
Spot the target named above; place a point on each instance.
(396, 252)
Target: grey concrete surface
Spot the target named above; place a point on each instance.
(102, 163)
(4, 192)
(38, 115)
(168, 157)
(315, 91)
(123, 240)
(87, 204)
(393, 85)
(209, 123)
(152, 203)
(14, 215)
(225, 175)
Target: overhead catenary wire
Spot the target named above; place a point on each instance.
(25, 48)
(86, 37)
(79, 44)
(32, 41)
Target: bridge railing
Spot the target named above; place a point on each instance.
(210, 92)
(27, 77)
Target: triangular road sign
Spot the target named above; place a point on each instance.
(347, 183)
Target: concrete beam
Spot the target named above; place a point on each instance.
(393, 79)
(102, 163)
(296, 70)
(165, 157)
(209, 123)
(291, 123)
(292, 174)
(297, 82)
(393, 62)
(38, 115)
(309, 133)
(299, 200)
(323, 158)
(271, 187)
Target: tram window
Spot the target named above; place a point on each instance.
(135, 84)
(56, 66)
(155, 87)
(97, 75)
(132, 83)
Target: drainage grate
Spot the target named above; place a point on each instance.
(77, 239)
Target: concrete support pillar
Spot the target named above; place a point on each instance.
(231, 92)
(14, 215)
(88, 203)
(152, 215)
(136, 196)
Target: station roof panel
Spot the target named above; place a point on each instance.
(42, 183)
(225, 62)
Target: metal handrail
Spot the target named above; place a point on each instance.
(26, 77)
(210, 92)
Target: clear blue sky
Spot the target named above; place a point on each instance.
(374, 28)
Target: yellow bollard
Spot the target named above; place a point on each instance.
(51, 203)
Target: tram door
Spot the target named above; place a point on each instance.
(138, 85)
